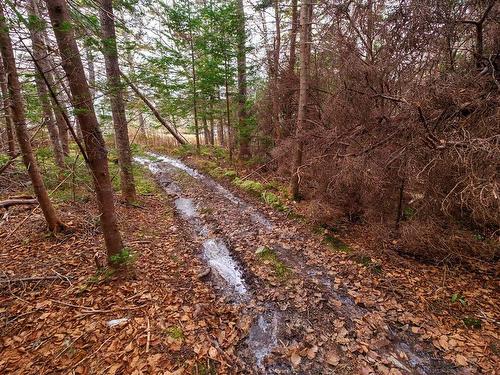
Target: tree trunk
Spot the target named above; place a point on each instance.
(243, 134)
(91, 66)
(142, 125)
(11, 146)
(211, 119)
(305, 57)
(115, 89)
(228, 113)
(276, 72)
(220, 128)
(293, 37)
(206, 135)
(19, 119)
(82, 103)
(195, 101)
(40, 55)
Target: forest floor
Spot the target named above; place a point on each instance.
(224, 283)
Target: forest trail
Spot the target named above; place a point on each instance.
(306, 317)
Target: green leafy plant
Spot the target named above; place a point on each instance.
(457, 297)
(471, 322)
(125, 257)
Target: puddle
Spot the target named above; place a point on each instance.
(152, 164)
(263, 337)
(218, 258)
(185, 207)
(215, 252)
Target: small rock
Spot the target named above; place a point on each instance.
(203, 273)
(260, 250)
(116, 322)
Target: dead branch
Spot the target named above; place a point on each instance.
(16, 202)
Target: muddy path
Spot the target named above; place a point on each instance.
(306, 318)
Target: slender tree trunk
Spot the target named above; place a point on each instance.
(19, 119)
(57, 83)
(83, 106)
(228, 113)
(90, 65)
(211, 119)
(195, 100)
(293, 37)
(220, 127)
(244, 136)
(142, 125)
(115, 89)
(11, 146)
(276, 69)
(206, 135)
(40, 55)
(305, 58)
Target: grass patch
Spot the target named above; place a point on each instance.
(336, 244)
(125, 257)
(367, 262)
(268, 256)
(471, 322)
(251, 186)
(175, 333)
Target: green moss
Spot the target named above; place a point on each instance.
(175, 332)
(254, 187)
(337, 244)
(471, 322)
(367, 262)
(269, 256)
(273, 200)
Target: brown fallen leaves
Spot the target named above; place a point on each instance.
(169, 321)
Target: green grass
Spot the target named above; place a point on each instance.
(367, 262)
(251, 186)
(126, 257)
(267, 255)
(336, 244)
(175, 332)
(471, 322)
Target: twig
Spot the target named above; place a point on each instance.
(148, 335)
(68, 346)
(35, 278)
(90, 310)
(93, 353)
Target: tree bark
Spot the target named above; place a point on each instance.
(11, 146)
(220, 128)
(115, 89)
(293, 37)
(305, 58)
(92, 137)
(276, 72)
(40, 55)
(195, 93)
(19, 119)
(211, 119)
(243, 134)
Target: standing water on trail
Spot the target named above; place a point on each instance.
(215, 252)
